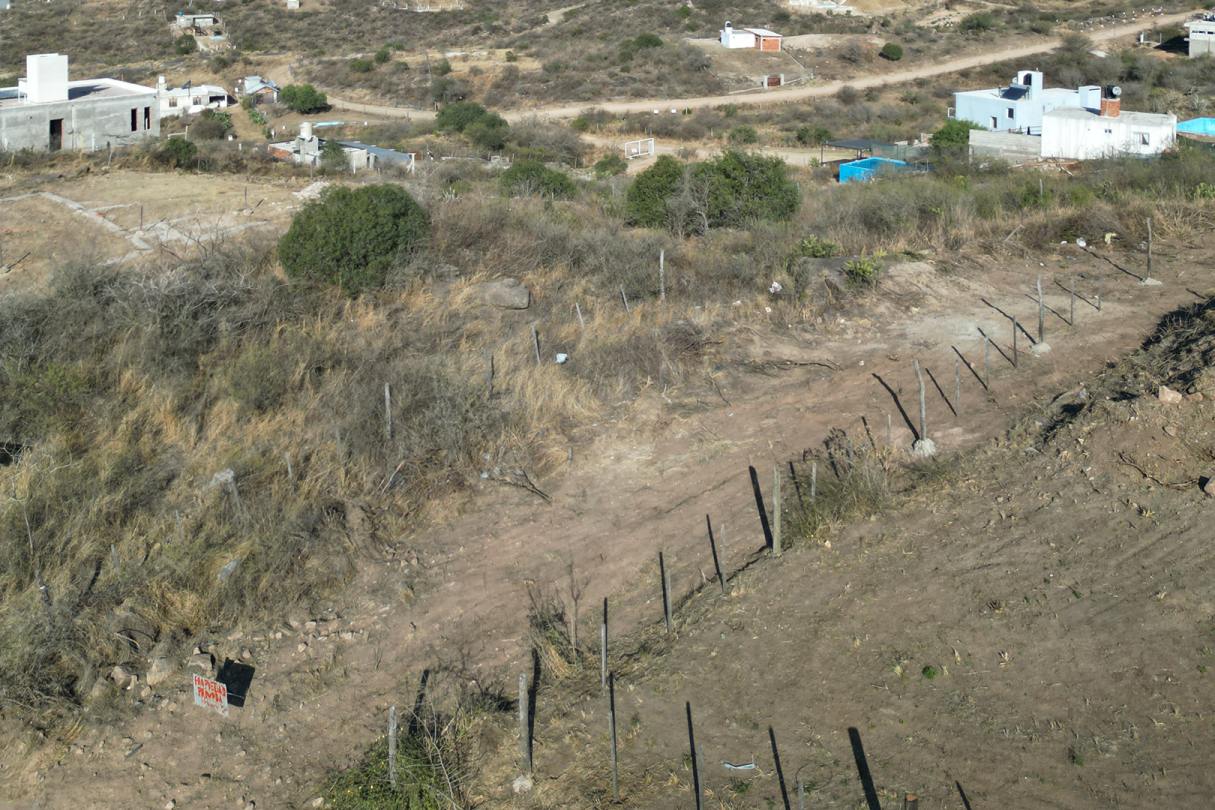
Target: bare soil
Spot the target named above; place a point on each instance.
(1097, 671)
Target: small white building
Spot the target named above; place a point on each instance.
(1202, 36)
(190, 98)
(754, 38)
(732, 37)
(1078, 133)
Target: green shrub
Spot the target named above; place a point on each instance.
(742, 187)
(744, 134)
(382, 55)
(892, 51)
(351, 237)
(178, 152)
(977, 22)
(815, 135)
(954, 133)
(647, 40)
(185, 44)
(442, 67)
(813, 247)
(527, 177)
(361, 66)
(862, 271)
(332, 156)
(646, 200)
(510, 56)
(488, 136)
(303, 98)
(457, 116)
(611, 165)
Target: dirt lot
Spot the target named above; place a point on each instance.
(100, 214)
(1098, 696)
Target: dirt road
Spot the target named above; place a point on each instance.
(790, 94)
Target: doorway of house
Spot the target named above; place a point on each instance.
(56, 134)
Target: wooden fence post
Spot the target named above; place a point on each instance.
(388, 411)
(1149, 258)
(1041, 313)
(525, 737)
(536, 343)
(290, 483)
(625, 299)
(957, 386)
(776, 547)
(581, 322)
(392, 746)
(1071, 317)
(662, 273)
(1014, 343)
(923, 410)
(666, 590)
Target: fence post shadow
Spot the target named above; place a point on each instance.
(902, 412)
(962, 793)
(419, 700)
(937, 385)
(969, 366)
(759, 504)
(992, 342)
(862, 769)
(1049, 308)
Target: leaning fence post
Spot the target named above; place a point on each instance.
(536, 343)
(603, 656)
(581, 322)
(290, 483)
(114, 559)
(489, 372)
(776, 511)
(625, 299)
(392, 746)
(1100, 279)
(525, 738)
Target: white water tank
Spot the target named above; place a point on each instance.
(306, 130)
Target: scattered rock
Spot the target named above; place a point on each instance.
(505, 293)
(170, 804)
(123, 677)
(310, 192)
(100, 688)
(228, 569)
(522, 784)
(1169, 430)
(159, 671)
(317, 802)
(245, 654)
(236, 635)
(1208, 488)
(1168, 396)
(203, 661)
(1195, 397)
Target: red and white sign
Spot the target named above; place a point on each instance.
(211, 695)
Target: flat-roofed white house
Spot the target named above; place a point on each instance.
(1020, 106)
(755, 38)
(47, 112)
(1077, 133)
(190, 98)
(1202, 35)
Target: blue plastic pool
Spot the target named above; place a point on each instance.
(1198, 126)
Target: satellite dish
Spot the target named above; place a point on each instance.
(1115, 91)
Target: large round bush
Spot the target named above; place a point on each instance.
(351, 237)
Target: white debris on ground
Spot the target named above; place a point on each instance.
(311, 192)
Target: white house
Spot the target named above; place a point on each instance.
(1077, 133)
(190, 98)
(1202, 35)
(1020, 106)
(732, 37)
(757, 38)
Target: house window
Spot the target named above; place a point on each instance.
(147, 117)
(994, 122)
(1109, 132)
(1011, 113)
(135, 120)
(1144, 140)
(172, 102)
